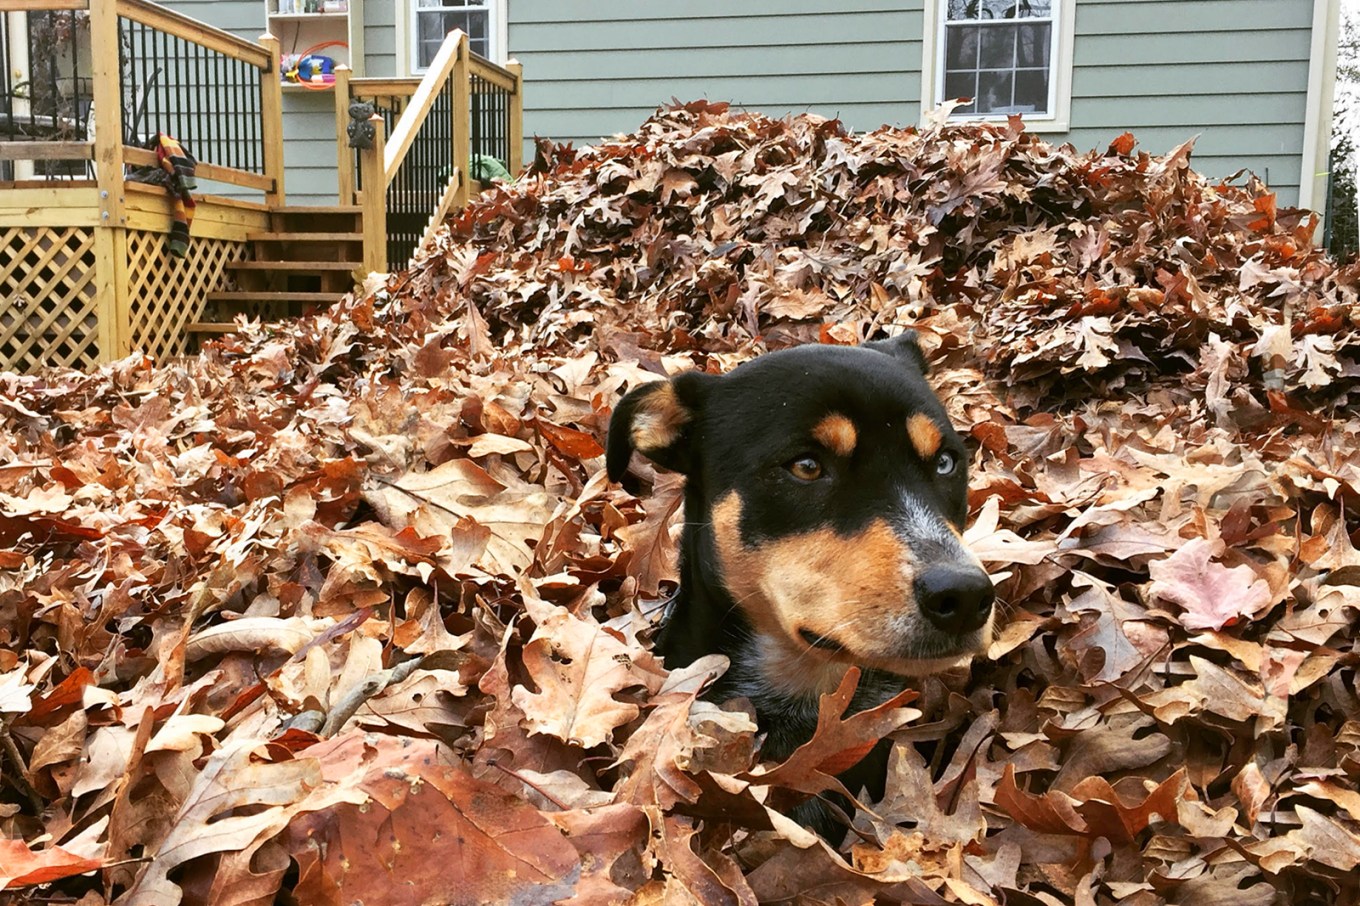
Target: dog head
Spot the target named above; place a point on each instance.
(826, 493)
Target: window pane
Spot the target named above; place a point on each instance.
(961, 85)
(1040, 9)
(998, 47)
(981, 9)
(994, 92)
(1031, 91)
(961, 47)
(432, 26)
(1034, 41)
(429, 35)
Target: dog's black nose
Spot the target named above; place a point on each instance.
(954, 597)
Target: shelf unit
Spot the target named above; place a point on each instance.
(298, 32)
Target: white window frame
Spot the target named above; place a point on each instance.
(497, 34)
(1059, 116)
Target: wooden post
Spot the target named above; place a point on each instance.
(271, 125)
(110, 233)
(374, 200)
(516, 160)
(462, 122)
(344, 153)
(108, 113)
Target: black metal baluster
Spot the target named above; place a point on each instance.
(257, 98)
(219, 90)
(237, 131)
(202, 149)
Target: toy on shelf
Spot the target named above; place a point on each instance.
(311, 69)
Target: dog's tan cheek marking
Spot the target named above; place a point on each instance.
(925, 436)
(846, 588)
(658, 420)
(837, 433)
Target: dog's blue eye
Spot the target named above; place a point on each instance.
(946, 463)
(805, 468)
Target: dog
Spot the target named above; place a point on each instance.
(825, 493)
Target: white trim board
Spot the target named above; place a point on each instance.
(1317, 124)
(1064, 22)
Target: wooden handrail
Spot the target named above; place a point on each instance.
(39, 6)
(453, 50)
(141, 157)
(46, 150)
(501, 78)
(192, 30)
(383, 86)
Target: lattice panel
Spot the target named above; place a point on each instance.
(166, 293)
(47, 298)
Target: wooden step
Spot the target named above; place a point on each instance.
(305, 237)
(210, 327)
(318, 209)
(305, 266)
(247, 295)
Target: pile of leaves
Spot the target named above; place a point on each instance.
(344, 609)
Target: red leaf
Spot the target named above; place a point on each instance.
(573, 443)
(23, 867)
(1123, 144)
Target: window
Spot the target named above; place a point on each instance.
(1009, 56)
(433, 19)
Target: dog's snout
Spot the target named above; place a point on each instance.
(955, 598)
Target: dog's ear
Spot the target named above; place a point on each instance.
(905, 346)
(655, 420)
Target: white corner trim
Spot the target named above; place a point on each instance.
(1317, 124)
(403, 37)
(932, 39)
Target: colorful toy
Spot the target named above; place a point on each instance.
(311, 69)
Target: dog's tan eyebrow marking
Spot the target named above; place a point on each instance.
(659, 419)
(837, 433)
(925, 435)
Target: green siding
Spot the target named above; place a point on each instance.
(596, 69)
(1234, 73)
(380, 37)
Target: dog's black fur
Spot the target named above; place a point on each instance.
(825, 493)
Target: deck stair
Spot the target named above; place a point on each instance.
(306, 261)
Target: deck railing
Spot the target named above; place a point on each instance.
(437, 135)
(88, 85)
(217, 94)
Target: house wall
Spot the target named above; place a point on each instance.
(1233, 72)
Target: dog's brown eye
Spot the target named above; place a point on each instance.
(805, 468)
(946, 463)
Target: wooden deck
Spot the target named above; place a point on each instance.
(86, 274)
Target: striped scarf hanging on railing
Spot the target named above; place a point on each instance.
(179, 164)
